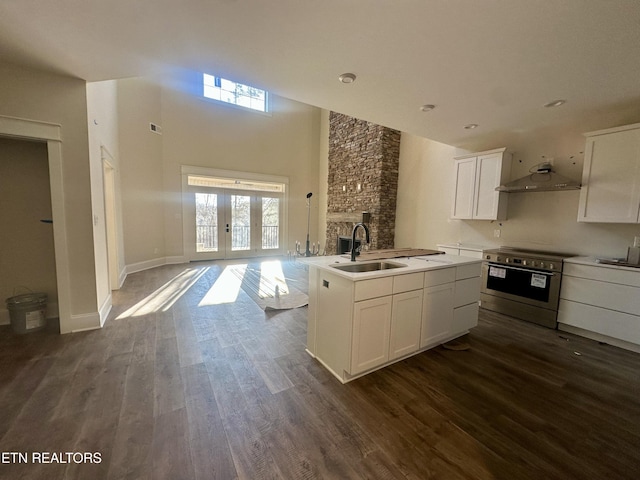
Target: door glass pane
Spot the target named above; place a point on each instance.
(270, 222)
(206, 222)
(240, 222)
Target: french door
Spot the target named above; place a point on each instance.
(231, 223)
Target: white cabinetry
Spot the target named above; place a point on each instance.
(371, 331)
(601, 302)
(611, 176)
(387, 327)
(406, 316)
(437, 308)
(362, 325)
(476, 177)
(466, 297)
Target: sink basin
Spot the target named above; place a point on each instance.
(367, 266)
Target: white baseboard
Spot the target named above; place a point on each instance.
(83, 322)
(176, 260)
(122, 277)
(105, 309)
(148, 264)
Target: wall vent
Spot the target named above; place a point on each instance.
(155, 128)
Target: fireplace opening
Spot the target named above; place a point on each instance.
(344, 244)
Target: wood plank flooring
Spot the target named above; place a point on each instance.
(172, 388)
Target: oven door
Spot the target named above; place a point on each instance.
(534, 287)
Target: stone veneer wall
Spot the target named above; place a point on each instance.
(367, 154)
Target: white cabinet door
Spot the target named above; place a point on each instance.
(611, 177)
(488, 174)
(437, 313)
(371, 330)
(476, 178)
(464, 193)
(406, 319)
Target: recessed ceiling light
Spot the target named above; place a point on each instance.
(471, 126)
(427, 108)
(555, 103)
(347, 78)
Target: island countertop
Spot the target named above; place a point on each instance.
(411, 265)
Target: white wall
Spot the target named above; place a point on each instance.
(35, 95)
(540, 220)
(141, 171)
(203, 133)
(103, 137)
(424, 193)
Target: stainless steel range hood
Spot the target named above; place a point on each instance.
(542, 179)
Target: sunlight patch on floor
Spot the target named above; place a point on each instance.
(163, 298)
(226, 287)
(272, 280)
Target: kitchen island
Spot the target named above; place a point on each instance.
(365, 320)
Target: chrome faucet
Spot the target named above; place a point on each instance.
(354, 250)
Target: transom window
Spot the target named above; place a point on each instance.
(228, 91)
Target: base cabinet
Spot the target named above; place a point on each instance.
(371, 332)
(437, 314)
(601, 302)
(406, 320)
(364, 325)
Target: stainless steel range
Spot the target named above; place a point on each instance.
(523, 283)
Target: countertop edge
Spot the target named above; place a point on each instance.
(413, 265)
(592, 261)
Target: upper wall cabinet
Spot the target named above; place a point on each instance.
(476, 177)
(611, 176)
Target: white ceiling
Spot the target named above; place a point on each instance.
(490, 62)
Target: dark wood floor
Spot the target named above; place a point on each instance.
(226, 391)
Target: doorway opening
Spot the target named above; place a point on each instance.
(49, 134)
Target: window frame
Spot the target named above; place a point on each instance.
(217, 82)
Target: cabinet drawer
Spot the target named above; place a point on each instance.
(376, 287)
(465, 318)
(439, 277)
(467, 291)
(468, 271)
(622, 326)
(612, 296)
(406, 283)
(602, 273)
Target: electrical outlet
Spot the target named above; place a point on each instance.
(496, 233)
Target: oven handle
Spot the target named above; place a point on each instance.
(509, 267)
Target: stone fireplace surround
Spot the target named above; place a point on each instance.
(362, 177)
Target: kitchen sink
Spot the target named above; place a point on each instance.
(367, 266)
